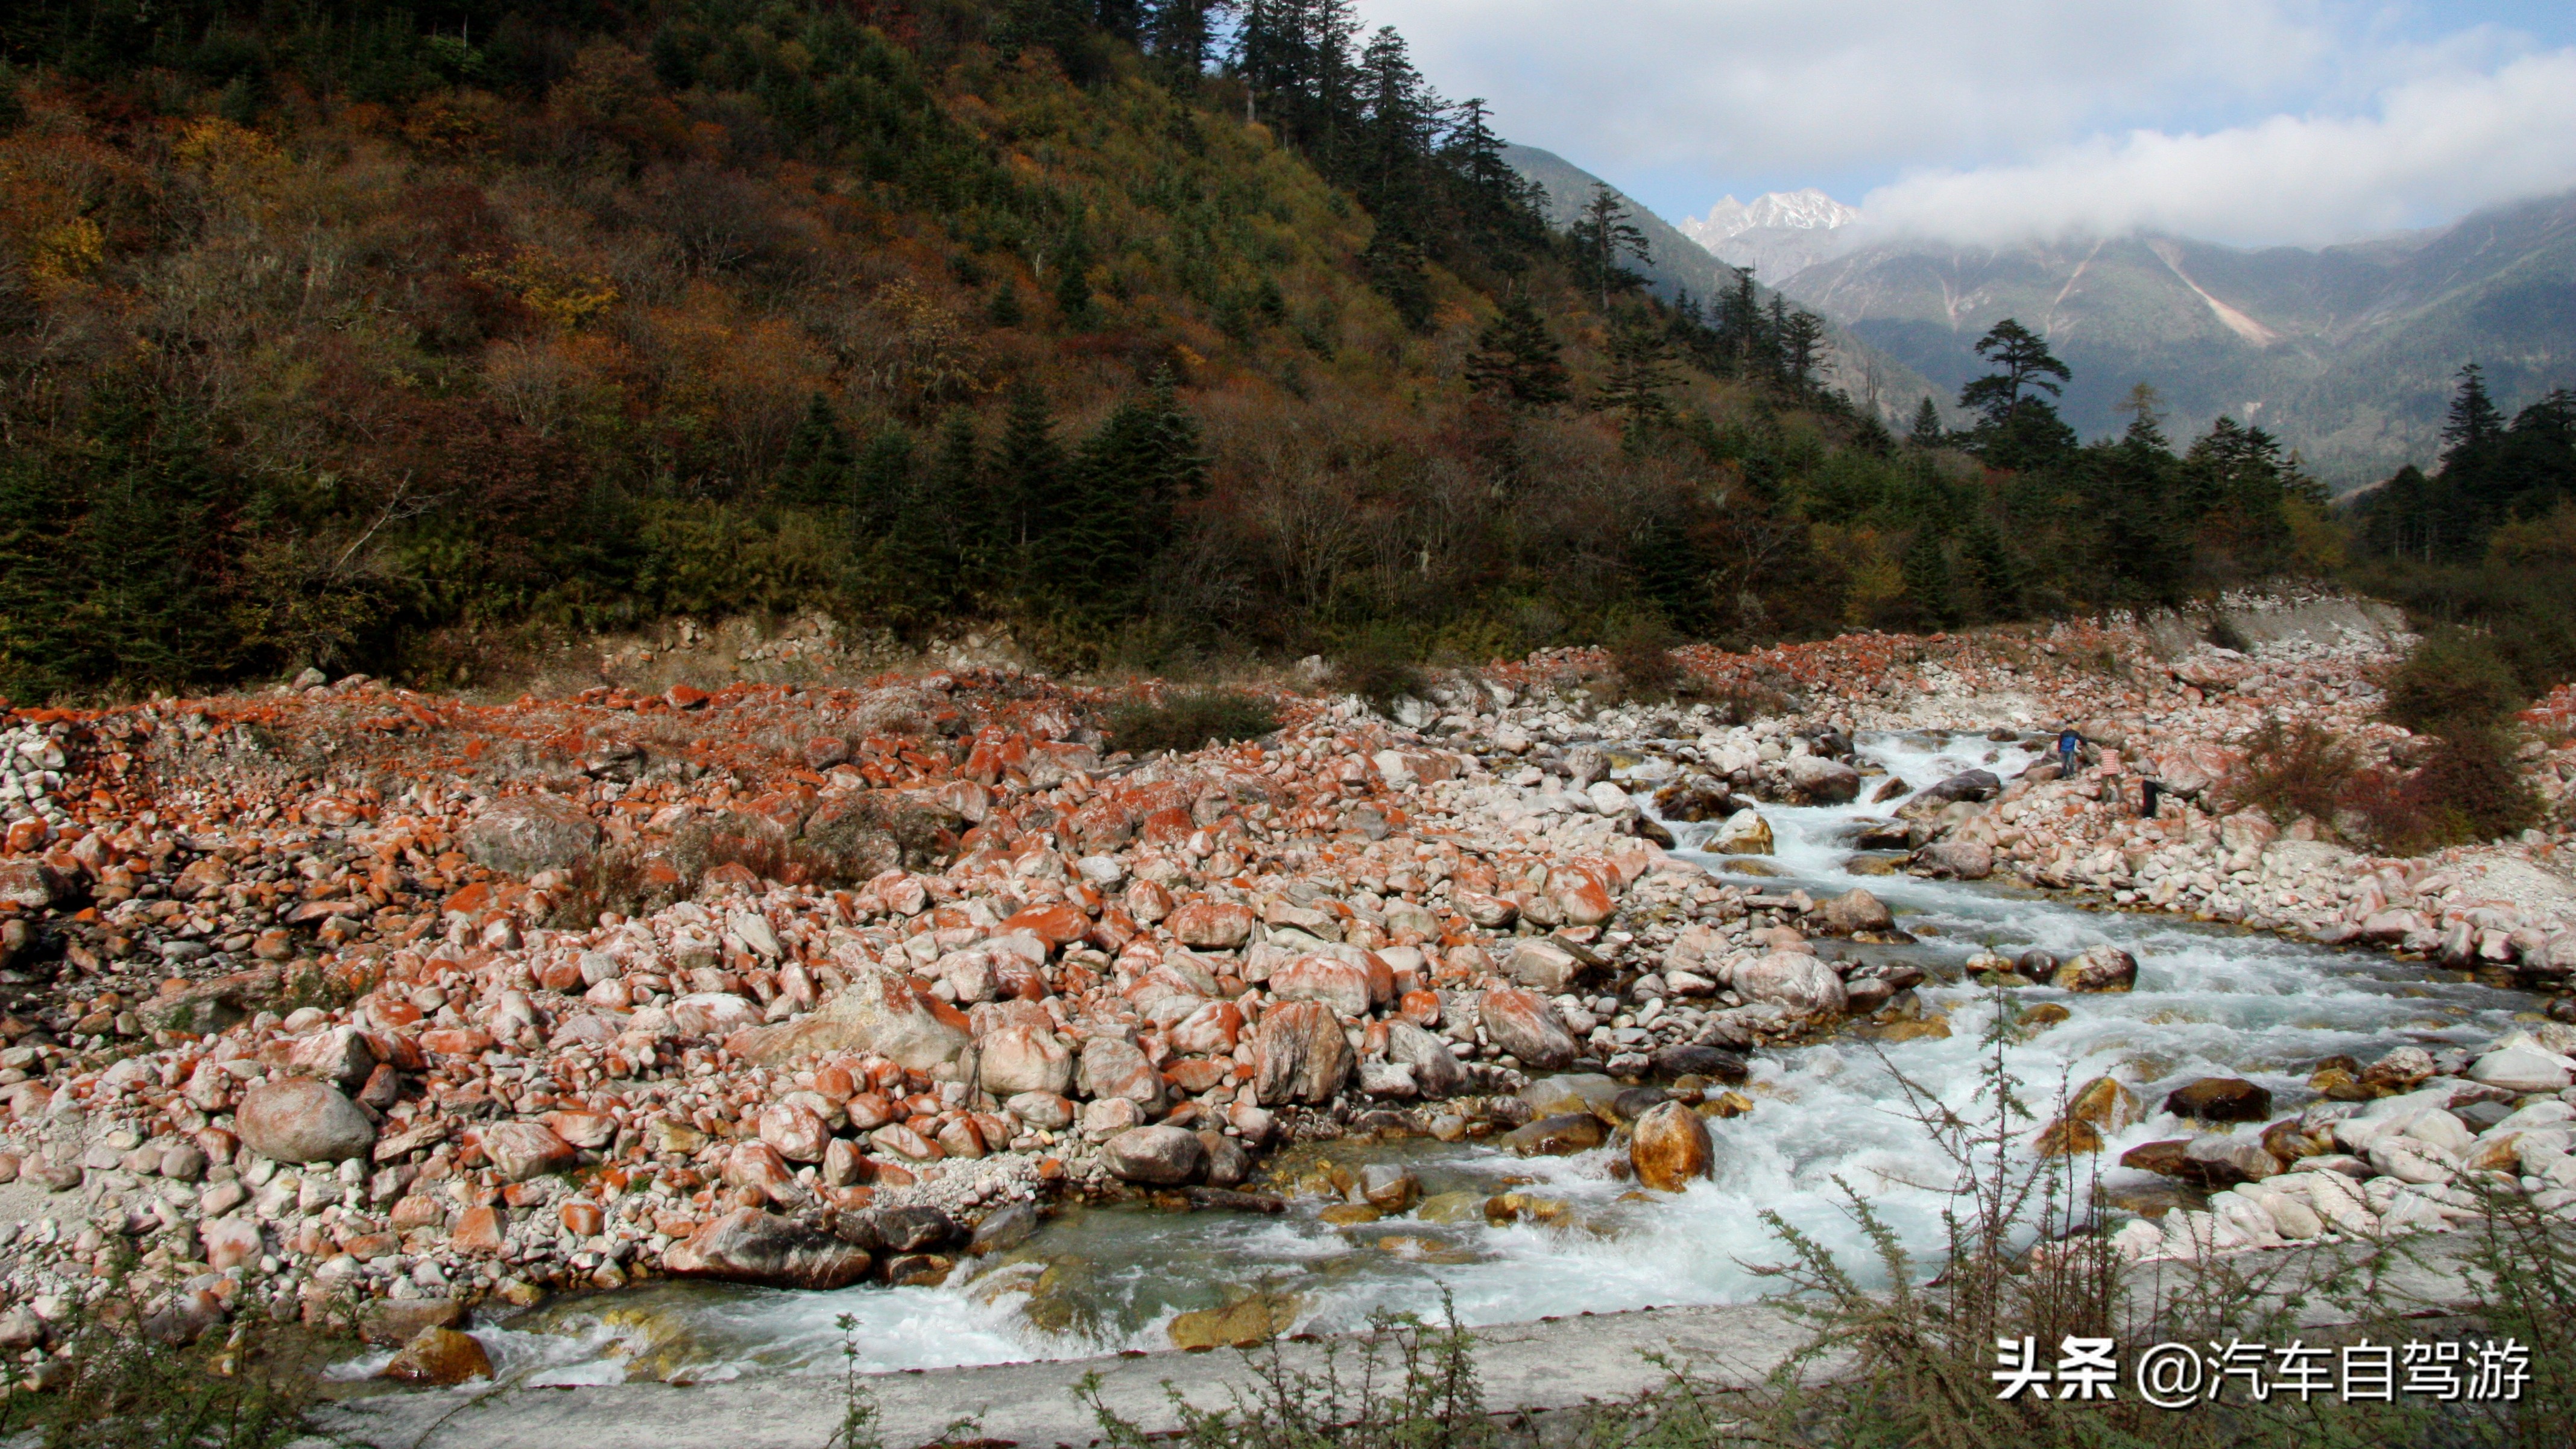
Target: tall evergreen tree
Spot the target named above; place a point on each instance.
(1640, 371)
(819, 467)
(1926, 430)
(1516, 360)
(2021, 428)
(1929, 590)
(2473, 422)
(1605, 237)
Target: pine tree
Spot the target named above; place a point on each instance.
(885, 482)
(2473, 422)
(1640, 371)
(819, 467)
(1603, 236)
(1802, 336)
(948, 525)
(1073, 291)
(1517, 360)
(1037, 494)
(2021, 428)
(1925, 569)
(1926, 430)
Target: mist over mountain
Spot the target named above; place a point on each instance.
(2346, 353)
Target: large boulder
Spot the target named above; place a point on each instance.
(751, 1246)
(298, 1119)
(1957, 859)
(1815, 780)
(1211, 925)
(713, 1013)
(1526, 1026)
(862, 834)
(1794, 979)
(1854, 910)
(1744, 833)
(1115, 1067)
(879, 1012)
(1966, 785)
(1559, 1136)
(1435, 1070)
(1020, 1059)
(1159, 1156)
(523, 834)
(1341, 985)
(522, 1150)
(1543, 966)
(1669, 1147)
(2524, 1069)
(2220, 1099)
(1300, 1055)
(2101, 968)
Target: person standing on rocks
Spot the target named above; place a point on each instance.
(2069, 745)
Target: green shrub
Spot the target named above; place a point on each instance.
(2467, 790)
(1377, 671)
(2290, 772)
(1188, 721)
(1641, 655)
(2452, 680)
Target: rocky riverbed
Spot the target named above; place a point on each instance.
(341, 1000)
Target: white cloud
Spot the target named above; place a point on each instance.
(2433, 149)
(1993, 106)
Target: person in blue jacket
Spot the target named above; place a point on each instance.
(2069, 745)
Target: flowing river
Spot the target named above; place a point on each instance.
(2210, 1000)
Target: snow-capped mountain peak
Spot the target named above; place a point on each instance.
(1776, 233)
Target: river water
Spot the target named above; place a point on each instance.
(2210, 1000)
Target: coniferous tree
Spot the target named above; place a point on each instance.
(1031, 484)
(2021, 428)
(1605, 238)
(1929, 591)
(1640, 371)
(885, 482)
(819, 467)
(1517, 360)
(1926, 430)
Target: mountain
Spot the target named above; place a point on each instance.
(1778, 233)
(2347, 353)
(1677, 264)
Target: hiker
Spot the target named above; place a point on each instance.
(2069, 745)
(2150, 790)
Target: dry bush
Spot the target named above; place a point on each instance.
(1641, 657)
(2466, 790)
(2290, 771)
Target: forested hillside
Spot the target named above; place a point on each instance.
(370, 336)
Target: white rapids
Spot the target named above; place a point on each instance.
(2209, 1001)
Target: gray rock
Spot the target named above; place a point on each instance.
(301, 1120)
(523, 834)
(1159, 1156)
(751, 1246)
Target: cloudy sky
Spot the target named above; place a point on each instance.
(2248, 121)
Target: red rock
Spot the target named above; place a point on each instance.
(681, 696)
(759, 1166)
(902, 1141)
(1581, 895)
(1194, 1075)
(590, 1131)
(1524, 1025)
(869, 1110)
(1211, 1030)
(523, 1150)
(582, 1218)
(456, 1041)
(1338, 984)
(1212, 925)
(1148, 902)
(229, 1242)
(1161, 1156)
(1055, 925)
(1422, 1008)
(1019, 1059)
(480, 1230)
(298, 1119)
(799, 1134)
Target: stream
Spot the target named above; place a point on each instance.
(2210, 1000)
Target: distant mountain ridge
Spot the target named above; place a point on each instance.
(2347, 353)
(1871, 377)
